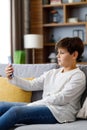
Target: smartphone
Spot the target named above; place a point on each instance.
(10, 63)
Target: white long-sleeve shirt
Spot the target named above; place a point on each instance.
(61, 91)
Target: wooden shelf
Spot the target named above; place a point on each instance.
(49, 44)
(49, 6)
(64, 4)
(84, 63)
(64, 24)
(76, 3)
(67, 10)
(53, 44)
(40, 24)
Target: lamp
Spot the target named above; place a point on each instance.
(52, 57)
(33, 41)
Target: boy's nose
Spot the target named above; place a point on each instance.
(57, 55)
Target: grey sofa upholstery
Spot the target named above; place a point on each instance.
(35, 70)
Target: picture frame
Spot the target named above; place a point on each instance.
(81, 34)
(78, 33)
(75, 33)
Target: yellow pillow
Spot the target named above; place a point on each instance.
(12, 93)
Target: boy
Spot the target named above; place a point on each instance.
(62, 90)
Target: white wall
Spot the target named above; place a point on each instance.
(5, 43)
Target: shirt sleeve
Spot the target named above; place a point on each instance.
(28, 85)
(72, 91)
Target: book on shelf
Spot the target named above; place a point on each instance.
(55, 2)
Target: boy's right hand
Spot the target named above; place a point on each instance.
(9, 71)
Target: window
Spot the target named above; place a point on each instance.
(5, 31)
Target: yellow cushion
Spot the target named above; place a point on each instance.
(12, 93)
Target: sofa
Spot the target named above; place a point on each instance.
(35, 70)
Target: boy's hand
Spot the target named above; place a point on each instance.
(9, 71)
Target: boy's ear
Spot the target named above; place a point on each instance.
(75, 55)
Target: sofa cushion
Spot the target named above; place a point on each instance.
(84, 95)
(83, 111)
(28, 70)
(77, 125)
(12, 93)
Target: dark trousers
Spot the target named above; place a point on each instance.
(19, 113)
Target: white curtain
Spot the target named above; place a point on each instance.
(5, 31)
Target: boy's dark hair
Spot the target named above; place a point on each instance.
(71, 44)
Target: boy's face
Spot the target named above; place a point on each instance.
(66, 59)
